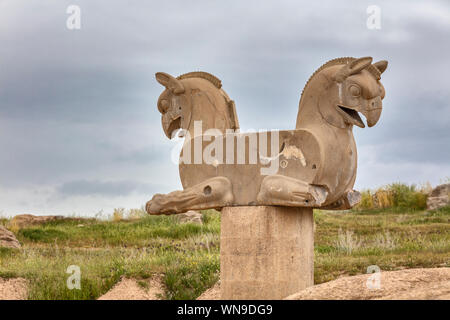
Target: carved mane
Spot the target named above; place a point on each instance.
(344, 60)
(204, 75)
(231, 112)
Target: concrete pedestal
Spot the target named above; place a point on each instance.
(266, 252)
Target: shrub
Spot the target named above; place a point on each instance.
(118, 214)
(366, 200)
(395, 195)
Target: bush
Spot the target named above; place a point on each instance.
(395, 195)
(366, 200)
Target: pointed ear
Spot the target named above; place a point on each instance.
(170, 82)
(352, 68)
(381, 65)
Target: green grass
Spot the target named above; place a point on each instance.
(187, 255)
(347, 243)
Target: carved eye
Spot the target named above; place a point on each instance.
(164, 106)
(355, 90)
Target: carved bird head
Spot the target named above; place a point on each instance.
(360, 91)
(195, 97)
(354, 89)
(170, 103)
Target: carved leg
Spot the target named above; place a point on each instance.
(213, 193)
(286, 191)
(347, 201)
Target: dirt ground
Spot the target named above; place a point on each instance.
(417, 284)
(13, 289)
(211, 294)
(131, 289)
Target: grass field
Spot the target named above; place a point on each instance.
(187, 255)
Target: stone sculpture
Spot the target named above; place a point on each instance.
(315, 163)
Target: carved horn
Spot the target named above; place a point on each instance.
(381, 65)
(170, 82)
(352, 68)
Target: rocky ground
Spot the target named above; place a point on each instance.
(13, 289)
(416, 284)
(179, 257)
(8, 239)
(131, 289)
(410, 284)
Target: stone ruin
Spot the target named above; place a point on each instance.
(267, 183)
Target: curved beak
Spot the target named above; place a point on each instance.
(371, 111)
(170, 124)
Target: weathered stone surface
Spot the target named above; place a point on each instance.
(265, 252)
(26, 220)
(311, 166)
(439, 197)
(191, 217)
(8, 239)
(411, 284)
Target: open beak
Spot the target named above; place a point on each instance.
(351, 116)
(372, 113)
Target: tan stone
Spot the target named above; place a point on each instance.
(191, 217)
(8, 239)
(439, 197)
(265, 252)
(417, 284)
(130, 289)
(212, 293)
(317, 160)
(13, 289)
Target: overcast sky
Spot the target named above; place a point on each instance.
(79, 127)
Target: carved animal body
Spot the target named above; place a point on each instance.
(316, 162)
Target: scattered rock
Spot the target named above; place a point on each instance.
(191, 217)
(13, 289)
(8, 239)
(130, 289)
(25, 220)
(212, 293)
(408, 284)
(439, 197)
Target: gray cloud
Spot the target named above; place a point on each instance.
(78, 108)
(104, 188)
